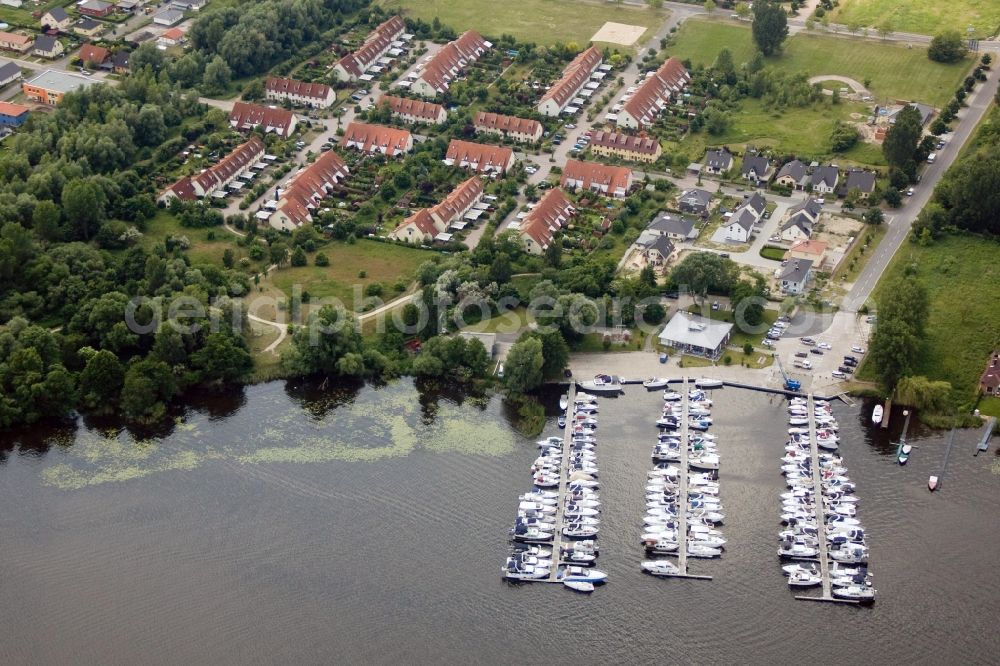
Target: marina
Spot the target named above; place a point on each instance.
(819, 510)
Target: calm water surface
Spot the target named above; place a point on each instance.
(367, 524)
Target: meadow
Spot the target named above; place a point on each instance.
(925, 17)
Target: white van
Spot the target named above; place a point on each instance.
(931, 158)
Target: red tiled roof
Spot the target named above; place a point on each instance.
(636, 144)
(211, 178)
(371, 138)
(279, 85)
(174, 34)
(412, 107)
(94, 54)
(547, 217)
(14, 110)
(647, 101)
(455, 55)
(573, 77)
(430, 220)
(247, 116)
(592, 173)
(507, 124)
(813, 247)
(310, 186)
(377, 42)
(486, 157)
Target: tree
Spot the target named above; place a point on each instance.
(83, 204)
(523, 369)
(321, 259)
(228, 258)
(770, 26)
(716, 120)
(947, 47)
(224, 358)
(147, 388)
(555, 351)
(701, 272)
(500, 270)
(278, 252)
(874, 216)
(299, 257)
(909, 303)
(709, 6)
(101, 380)
(885, 28)
(970, 192)
(217, 76)
(902, 139)
(844, 137)
(892, 349)
(318, 347)
(747, 348)
(45, 220)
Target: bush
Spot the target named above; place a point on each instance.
(727, 360)
(947, 47)
(321, 260)
(374, 289)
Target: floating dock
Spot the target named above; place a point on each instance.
(984, 443)
(824, 560)
(557, 537)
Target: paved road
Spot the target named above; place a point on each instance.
(899, 228)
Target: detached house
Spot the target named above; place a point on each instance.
(94, 55)
(794, 276)
(414, 111)
(718, 161)
(573, 78)
(299, 93)
(246, 116)
(625, 147)
(9, 72)
(756, 169)
(448, 63)
(306, 190)
(861, 180)
(353, 65)
(95, 8)
(674, 227)
(824, 179)
(653, 95)
(479, 157)
(813, 250)
(425, 224)
(12, 41)
(694, 201)
(801, 220)
(88, 27)
(793, 175)
(56, 19)
(522, 130)
(740, 224)
(611, 181)
(542, 222)
(377, 139)
(218, 176)
(47, 46)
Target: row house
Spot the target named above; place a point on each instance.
(510, 127)
(299, 93)
(479, 157)
(306, 190)
(377, 139)
(626, 147)
(414, 110)
(611, 181)
(353, 65)
(246, 116)
(218, 176)
(423, 225)
(446, 65)
(573, 78)
(653, 95)
(542, 222)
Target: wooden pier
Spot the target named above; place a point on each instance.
(567, 449)
(824, 560)
(682, 494)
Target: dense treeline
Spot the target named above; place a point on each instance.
(73, 184)
(255, 36)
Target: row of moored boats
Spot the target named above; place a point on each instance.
(669, 499)
(830, 518)
(555, 531)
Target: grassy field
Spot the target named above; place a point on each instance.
(895, 71)
(962, 276)
(926, 17)
(989, 405)
(207, 244)
(512, 322)
(540, 21)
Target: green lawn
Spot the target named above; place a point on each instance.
(926, 17)
(207, 245)
(513, 321)
(895, 71)
(540, 21)
(773, 252)
(382, 262)
(962, 275)
(989, 405)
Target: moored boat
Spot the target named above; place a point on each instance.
(877, 414)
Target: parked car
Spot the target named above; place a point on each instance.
(781, 324)
(805, 365)
(715, 305)
(808, 341)
(852, 359)
(846, 369)
(802, 354)
(858, 350)
(724, 255)
(909, 192)
(773, 335)
(838, 374)
(824, 345)
(820, 200)
(816, 350)
(570, 126)
(767, 342)
(871, 319)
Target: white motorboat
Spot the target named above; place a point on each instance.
(707, 541)
(877, 414)
(532, 560)
(587, 546)
(550, 443)
(663, 546)
(790, 569)
(581, 574)
(660, 567)
(804, 579)
(798, 421)
(538, 551)
(534, 506)
(577, 511)
(655, 383)
(541, 498)
(849, 554)
(708, 383)
(706, 461)
(794, 551)
(513, 570)
(563, 402)
(695, 549)
(671, 396)
(578, 531)
(526, 534)
(577, 557)
(581, 586)
(602, 385)
(856, 592)
(582, 397)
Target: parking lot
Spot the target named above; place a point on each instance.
(845, 333)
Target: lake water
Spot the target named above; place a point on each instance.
(285, 524)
